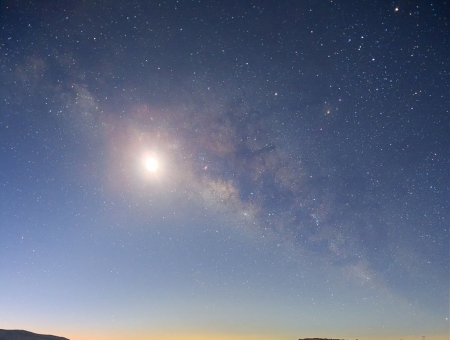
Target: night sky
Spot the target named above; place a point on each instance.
(219, 170)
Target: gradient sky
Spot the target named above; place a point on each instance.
(302, 180)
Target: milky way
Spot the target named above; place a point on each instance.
(199, 169)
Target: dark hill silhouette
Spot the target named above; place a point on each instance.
(24, 335)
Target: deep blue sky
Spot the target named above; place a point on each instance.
(302, 181)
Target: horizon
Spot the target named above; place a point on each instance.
(201, 336)
(210, 336)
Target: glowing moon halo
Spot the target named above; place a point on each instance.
(151, 164)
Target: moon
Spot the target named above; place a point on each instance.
(151, 164)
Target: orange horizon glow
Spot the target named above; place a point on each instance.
(231, 336)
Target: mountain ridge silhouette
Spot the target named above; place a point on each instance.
(18, 334)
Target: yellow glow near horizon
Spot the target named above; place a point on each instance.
(169, 336)
(178, 336)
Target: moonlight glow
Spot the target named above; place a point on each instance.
(151, 164)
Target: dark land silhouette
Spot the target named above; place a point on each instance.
(24, 335)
